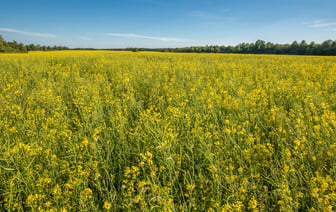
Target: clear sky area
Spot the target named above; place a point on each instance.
(165, 23)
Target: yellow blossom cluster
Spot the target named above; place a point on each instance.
(125, 131)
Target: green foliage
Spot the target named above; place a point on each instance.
(328, 47)
(261, 47)
(32, 47)
(11, 47)
(14, 47)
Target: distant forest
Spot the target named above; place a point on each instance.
(328, 47)
(15, 47)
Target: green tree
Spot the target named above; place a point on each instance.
(294, 48)
(303, 48)
(326, 47)
(259, 46)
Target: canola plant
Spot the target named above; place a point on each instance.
(124, 131)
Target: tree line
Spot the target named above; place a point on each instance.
(327, 47)
(15, 47)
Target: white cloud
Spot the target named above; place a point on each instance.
(28, 33)
(321, 23)
(324, 24)
(146, 37)
(84, 38)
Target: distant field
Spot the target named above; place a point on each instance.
(124, 131)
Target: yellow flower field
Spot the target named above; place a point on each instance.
(121, 131)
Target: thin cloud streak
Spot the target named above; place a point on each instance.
(28, 33)
(146, 37)
(324, 24)
(321, 23)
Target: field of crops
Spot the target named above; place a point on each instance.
(116, 131)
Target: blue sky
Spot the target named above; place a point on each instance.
(165, 23)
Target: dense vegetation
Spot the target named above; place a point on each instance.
(123, 131)
(15, 47)
(328, 47)
(261, 47)
(11, 47)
